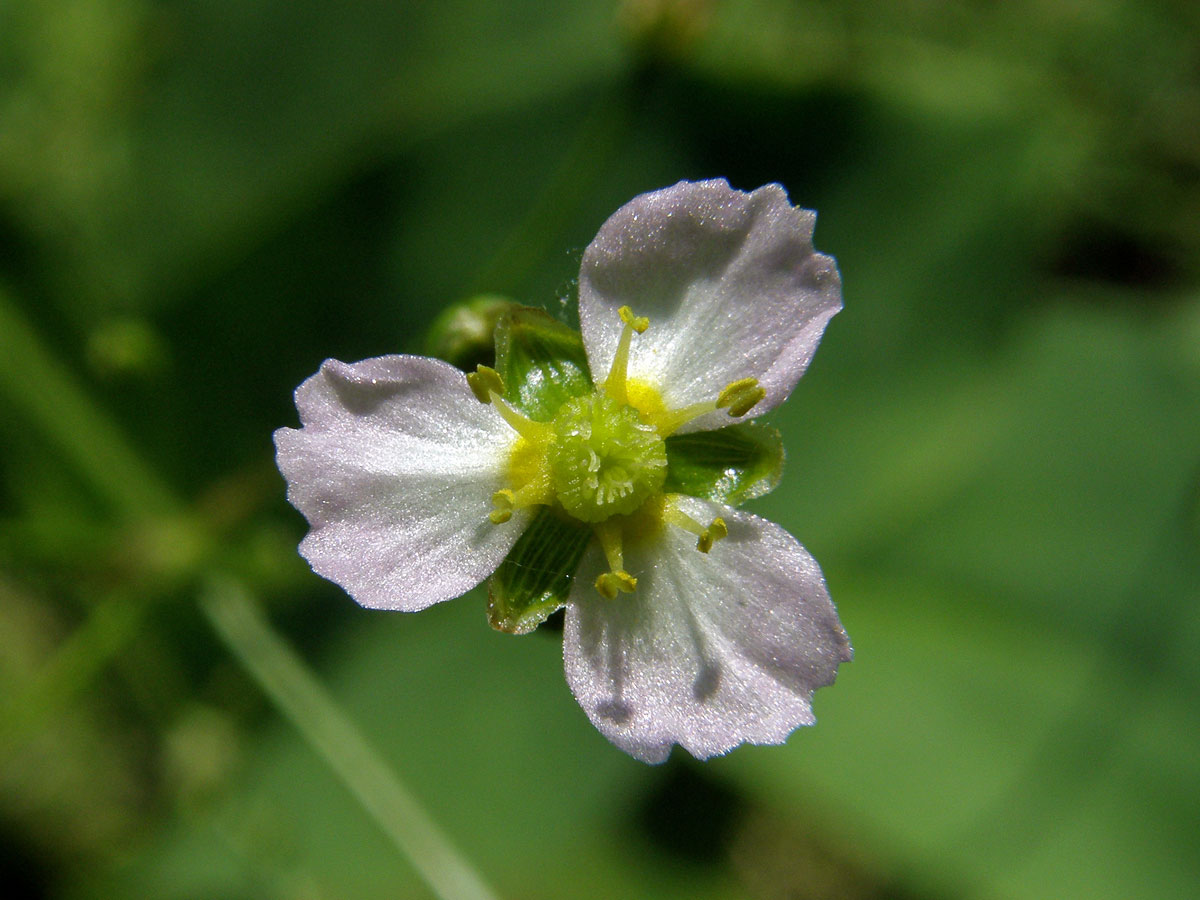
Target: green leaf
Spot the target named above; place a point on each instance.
(730, 465)
(542, 362)
(535, 578)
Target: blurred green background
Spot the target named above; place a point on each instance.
(995, 456)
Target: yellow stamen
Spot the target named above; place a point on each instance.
(484, 382)
(707, 536)
(614, 384)
(739, 397)
(715, 531)
(611, 542)
(616, 579)
(637, 323)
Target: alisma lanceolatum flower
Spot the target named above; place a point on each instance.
(602, 472)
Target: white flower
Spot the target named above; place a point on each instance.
(688, 622)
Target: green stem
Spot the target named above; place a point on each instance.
(305, 703)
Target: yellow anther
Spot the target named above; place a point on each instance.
(713, 533)
(637, 323)
(739, 397)
(609, 583)
(484, 382)
(504, 501)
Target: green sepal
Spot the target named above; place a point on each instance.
(730, 465)
(535, 578)
(542, 362)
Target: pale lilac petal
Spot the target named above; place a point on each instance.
(394, 468)
(711, 650)
(730, 282)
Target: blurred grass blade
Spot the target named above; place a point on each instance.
(44, 391)
(549, 214)
(48, 396)
(40, 387)
(304, 702)
(107, 630)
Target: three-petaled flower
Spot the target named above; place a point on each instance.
(606, 481)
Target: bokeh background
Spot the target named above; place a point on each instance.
(995, 455)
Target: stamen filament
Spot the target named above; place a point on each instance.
(612, 543)
(522, 425)
(676, 419)
(615, 383)
(487, 386)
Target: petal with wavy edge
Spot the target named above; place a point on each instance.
(730, 282)
(711, 650)
(394, 468)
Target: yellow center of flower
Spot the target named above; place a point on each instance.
(603, 458)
